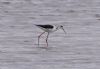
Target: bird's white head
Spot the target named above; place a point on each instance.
(61, 27)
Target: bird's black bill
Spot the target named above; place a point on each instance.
(63, 30)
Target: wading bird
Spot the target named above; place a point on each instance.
(49, 29)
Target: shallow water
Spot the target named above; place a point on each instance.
(78, 49)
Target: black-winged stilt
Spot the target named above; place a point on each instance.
(49, 29)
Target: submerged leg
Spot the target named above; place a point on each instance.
(39, 37)
(47, 39)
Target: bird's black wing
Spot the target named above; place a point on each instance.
(46, 26)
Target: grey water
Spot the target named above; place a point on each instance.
(78, 49)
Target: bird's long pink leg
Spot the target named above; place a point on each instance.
(47, 39)
(39, 37)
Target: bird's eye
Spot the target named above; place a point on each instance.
(61, 26)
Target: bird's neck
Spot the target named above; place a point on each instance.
(56, 28)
